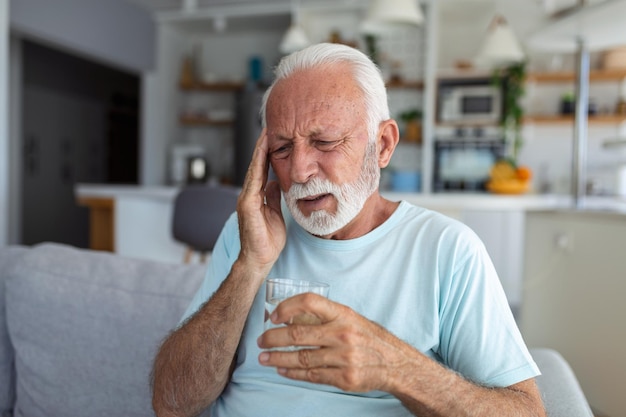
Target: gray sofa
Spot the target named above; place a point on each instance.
(79, 329)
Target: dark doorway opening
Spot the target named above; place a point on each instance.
(80, 124)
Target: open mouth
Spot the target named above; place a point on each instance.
(313, 203)
(314, 198)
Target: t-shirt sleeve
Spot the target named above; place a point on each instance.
(223, 256)
(479, 336)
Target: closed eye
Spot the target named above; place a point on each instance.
(280, 152)
(326, 145)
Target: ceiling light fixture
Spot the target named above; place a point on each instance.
(385, 15)
(500, 45)
(295, 38)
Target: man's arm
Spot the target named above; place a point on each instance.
(195, 362)
(520, 400)
(358, 355)
(429, 389)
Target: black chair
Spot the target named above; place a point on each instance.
(199, 215)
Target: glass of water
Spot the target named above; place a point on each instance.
(279, 289)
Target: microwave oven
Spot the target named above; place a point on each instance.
(470, 104)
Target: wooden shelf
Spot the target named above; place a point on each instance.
(188, 120)
(567, 76)
(404, 84)
(219, 86)
(559, 119)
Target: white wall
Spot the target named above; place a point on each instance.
(14, 148)
(548, 151)
(160, 100)
(4, 122)
(548, 147)
(574, 298)
(116, 32)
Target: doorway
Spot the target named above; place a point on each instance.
(80, 124)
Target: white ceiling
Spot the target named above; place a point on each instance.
(523, 15)
(159, 5)
(170, 5)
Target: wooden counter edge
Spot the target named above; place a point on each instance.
(101, 222)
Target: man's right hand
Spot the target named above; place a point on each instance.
(195, 363)
(261, 224)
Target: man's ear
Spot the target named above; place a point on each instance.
(387, 141)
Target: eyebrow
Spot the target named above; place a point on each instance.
(315, 134)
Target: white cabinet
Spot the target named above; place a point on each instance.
(574, 286)
(143, 228)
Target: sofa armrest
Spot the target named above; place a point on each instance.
(9, 257)
(561, 392)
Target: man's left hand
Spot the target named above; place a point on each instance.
(351, 352)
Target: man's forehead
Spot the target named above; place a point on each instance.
(324, 81)
(311, 131)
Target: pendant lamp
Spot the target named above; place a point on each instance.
(384, 15)
(295, 38)
(500, 45)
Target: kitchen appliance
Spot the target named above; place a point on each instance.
(475, 101)
(183, 158)
(197, 170)
(464, 156)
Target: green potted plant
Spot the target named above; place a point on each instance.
(568, 103)
(512, 78)
(371, 45)
(412, 119)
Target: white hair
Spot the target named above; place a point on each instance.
(366, 74)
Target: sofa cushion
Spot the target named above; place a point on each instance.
(559, 386)
(85, 327)
(9, 256)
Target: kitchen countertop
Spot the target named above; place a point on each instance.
(159, 192)
(466, 201)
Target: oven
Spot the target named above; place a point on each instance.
(464, 156)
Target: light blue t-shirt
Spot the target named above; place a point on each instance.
(423, 276)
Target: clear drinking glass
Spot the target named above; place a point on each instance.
(279, 289)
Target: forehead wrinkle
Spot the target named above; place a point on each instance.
(328, 94)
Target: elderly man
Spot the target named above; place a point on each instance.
(416, 322)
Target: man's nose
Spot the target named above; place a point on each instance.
(303, 164)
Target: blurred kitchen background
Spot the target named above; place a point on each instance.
(109, 107)
(125, 92)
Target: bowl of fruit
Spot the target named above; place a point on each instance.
(506, 177)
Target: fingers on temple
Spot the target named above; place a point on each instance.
(256, 177)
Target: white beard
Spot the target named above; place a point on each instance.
(351, 197)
